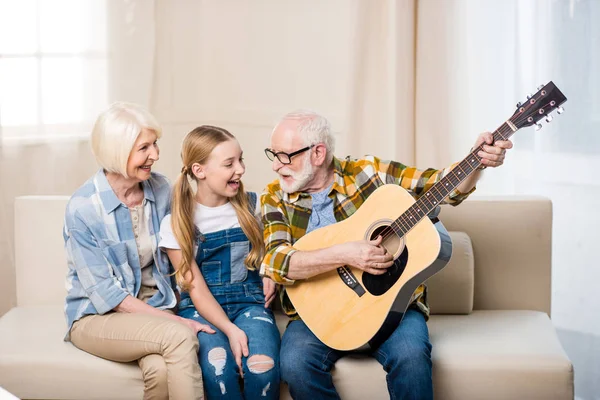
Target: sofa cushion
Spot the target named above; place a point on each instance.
(35, 362)
(499, 355)
(487, 354)
(450, 291)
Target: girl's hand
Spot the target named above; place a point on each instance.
(269, 290)
(239, 346)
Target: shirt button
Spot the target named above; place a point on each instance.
(135, 227)
(135, 218)
(136, 235)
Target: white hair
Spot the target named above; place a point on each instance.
(314, 128)
(116, 131)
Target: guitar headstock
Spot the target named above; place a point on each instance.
(547, 99)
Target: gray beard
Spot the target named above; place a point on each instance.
(298, 183)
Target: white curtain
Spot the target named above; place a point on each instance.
(476, 60)
(107, 57)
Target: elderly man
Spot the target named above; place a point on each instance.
(315, 189)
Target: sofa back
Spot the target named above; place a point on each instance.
(40, 260)
(512, 244)
(502, 261)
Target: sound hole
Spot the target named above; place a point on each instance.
(380, 284)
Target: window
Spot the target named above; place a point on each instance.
(53, 67)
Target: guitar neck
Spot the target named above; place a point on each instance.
(439, 191)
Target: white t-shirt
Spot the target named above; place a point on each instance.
(207, 220)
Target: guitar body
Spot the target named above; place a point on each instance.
(348, 309)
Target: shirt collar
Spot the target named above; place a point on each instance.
(109, 199)
(343, 178)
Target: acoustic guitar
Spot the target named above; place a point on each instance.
(348, 309)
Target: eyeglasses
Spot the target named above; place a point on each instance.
(283, 157)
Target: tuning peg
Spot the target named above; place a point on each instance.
(529, 96)
(541, 86)
(549, 118)
(538, 126)
(560, 110)
(519, 104)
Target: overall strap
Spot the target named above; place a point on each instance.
(252, 202)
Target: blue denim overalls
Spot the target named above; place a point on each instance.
(239, 291)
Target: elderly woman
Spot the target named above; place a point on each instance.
(120, 286)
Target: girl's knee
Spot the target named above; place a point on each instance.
(259, 364)
(217, 359)
(220, 373)
(264, 372)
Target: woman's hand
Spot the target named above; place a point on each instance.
(238, 341)
(196, 326)
(269, 289)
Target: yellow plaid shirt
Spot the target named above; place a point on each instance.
(285, 216)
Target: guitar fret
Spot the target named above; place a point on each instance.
(440, 196)
(407, 221)
(411, 217)
(403, 223)
(437, 193)
(397, 230)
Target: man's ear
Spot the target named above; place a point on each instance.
(320, 154)
(198, 171)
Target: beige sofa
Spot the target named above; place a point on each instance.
(491, 334)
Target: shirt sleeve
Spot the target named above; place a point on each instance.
(278, 240)
(416, 180)
(95, 272)
(167, 238)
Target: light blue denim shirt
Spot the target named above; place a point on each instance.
(102, 256)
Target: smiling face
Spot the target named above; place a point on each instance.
(143, 154)
(219, 177)
(295, 176)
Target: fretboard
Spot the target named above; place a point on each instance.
(442, 189)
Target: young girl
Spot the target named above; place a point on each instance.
(214, 240)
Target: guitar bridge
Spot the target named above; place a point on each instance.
(350, 280)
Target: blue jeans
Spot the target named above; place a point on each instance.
(239, 291)
(306, 362)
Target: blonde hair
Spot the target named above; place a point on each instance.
(115, 133)
(196, 148)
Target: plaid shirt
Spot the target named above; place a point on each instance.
(286, 216)
(102, 256)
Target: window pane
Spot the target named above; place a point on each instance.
(95, 87)
(70, 26)
(62, 90)
(18, 91)
(18, 27)
(73, 89)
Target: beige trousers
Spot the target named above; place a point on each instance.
(166, 351)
